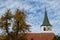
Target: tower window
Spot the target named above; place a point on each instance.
(44, 29)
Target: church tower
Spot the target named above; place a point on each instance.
(46, 27)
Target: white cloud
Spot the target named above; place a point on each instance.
(35, 18)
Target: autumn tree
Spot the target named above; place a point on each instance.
(20, 25)
(4, 21)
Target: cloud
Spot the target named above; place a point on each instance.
(35, 11)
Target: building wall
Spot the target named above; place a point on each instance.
(40, 36)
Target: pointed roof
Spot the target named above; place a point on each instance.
(46, 20)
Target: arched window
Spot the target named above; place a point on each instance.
(44, 29)
(32, 39)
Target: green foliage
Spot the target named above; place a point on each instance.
(56, 38)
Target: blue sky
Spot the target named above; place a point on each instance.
(35, 12)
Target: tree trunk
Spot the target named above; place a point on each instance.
(17, 31)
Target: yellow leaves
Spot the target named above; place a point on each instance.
(4, 21)
(2, 37)
(7, 15)
(22, 36)
(19, 15)
(2, 18)
(19, 23)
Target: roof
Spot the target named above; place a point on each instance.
(46, 20)
(40, 36)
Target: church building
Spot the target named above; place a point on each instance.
(46, 31)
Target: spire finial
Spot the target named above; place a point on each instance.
(45, 11)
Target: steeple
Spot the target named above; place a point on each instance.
(46, 20)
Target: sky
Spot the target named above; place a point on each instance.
(34, 10)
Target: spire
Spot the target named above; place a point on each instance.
(46, 20)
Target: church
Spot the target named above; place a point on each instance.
(46, 31)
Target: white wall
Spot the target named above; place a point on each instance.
(42, 29)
